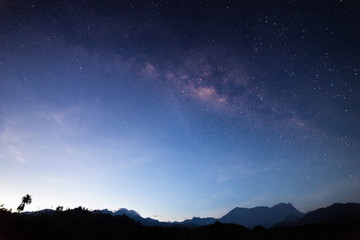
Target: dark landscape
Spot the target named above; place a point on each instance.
(338, 221)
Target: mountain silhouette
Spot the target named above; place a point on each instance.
(247, 217)
(279, 215)
(135, 216)
(124, 211)
(197, 221)
(338, 221)
(40, 212)
(264, 216)
(338, 213)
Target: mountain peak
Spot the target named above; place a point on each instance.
(124, 211)
(265, 216)
(284, 205)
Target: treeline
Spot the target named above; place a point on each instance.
(77, 223)
(80, 223)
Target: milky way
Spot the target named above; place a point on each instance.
(179, 108)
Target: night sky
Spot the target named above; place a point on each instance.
(179, 108)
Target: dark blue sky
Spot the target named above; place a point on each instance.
(179, 108)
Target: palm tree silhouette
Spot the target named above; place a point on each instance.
(25, 200)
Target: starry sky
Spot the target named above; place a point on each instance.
(179, 108)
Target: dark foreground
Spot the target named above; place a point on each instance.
(82, 224)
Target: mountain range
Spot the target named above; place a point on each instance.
(264, 216)
(281, 214)
(337, 213)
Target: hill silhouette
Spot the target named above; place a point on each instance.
(197, 221)
(79, 223)
(264, 216)
(338, 213)
(135, 216)
(248, 217)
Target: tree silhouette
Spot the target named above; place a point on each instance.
(59, 208)
(25, 200)
(2, 208)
